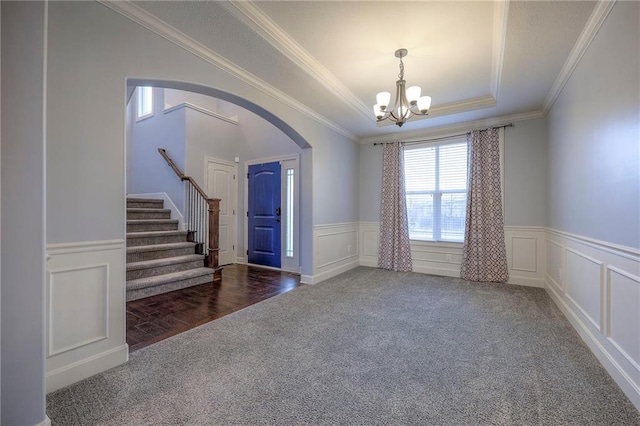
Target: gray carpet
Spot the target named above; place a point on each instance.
(367, 347)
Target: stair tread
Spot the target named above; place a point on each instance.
(144, 210)
(137, 221)
(155, 233)
(145, 264)
(146, 200)
(158, 247)
(167, 278)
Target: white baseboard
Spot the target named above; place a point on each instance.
(86, 367)
(329, 273)
(526, 281)
(369, 262)
(608, 362)
(241, 260)
(45, 422)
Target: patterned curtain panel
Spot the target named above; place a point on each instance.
(484, 256)
(394, 252)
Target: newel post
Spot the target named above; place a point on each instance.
(214, 226)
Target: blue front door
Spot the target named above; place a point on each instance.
(264, 214)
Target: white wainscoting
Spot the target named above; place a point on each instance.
(336, 249)
(525, 254)
(85, 310)
(597, 286)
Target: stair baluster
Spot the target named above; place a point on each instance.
(203, 218)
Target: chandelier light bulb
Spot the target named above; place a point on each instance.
(383, 99)
(413, 94)
(377, 111)
(424, 103)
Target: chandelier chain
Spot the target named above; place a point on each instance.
(401, 75)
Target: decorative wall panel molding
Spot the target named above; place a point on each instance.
(335, 248)
(585, 285)
(81, 323)
(623, 313)
(599, 292)
(525, 255)
(85, 310)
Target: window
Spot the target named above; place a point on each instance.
(289, 216)
(145, 101)
(436, 189)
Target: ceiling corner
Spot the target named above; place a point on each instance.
(597, 18)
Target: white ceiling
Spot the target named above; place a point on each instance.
(476, 59)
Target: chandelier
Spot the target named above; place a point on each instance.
(408, 102)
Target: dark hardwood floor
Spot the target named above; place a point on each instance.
(158, 317)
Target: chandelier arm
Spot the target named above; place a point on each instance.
(402, 110)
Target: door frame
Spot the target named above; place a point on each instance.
(234, 206)
(289, 264)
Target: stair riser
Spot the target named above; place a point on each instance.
(148, 215)
(147, 227)
(162, 239)
(165, 288)
(159, 254)
(144, 205)
(165, 269)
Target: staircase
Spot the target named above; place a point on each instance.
(159, 257)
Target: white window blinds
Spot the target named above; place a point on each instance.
(436, 187)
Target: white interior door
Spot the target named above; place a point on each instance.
(221, 183)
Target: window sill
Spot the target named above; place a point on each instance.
(442, 244)
(144, 117)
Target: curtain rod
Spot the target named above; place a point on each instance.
(439, 139)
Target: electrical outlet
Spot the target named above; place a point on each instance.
(349, 248)
(449, 258)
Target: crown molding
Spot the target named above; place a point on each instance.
(171, 34)
(597, 18)
(251, 16)
(500, 19)
(452, 129)
(486, 101)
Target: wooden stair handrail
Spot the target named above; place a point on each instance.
(213, 208)
(181, 175)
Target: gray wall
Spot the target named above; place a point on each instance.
(370, 177)
(23, 212)
(524, 176)
(92, 51)
(525, 173)
(594, 137)
(148, 172)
